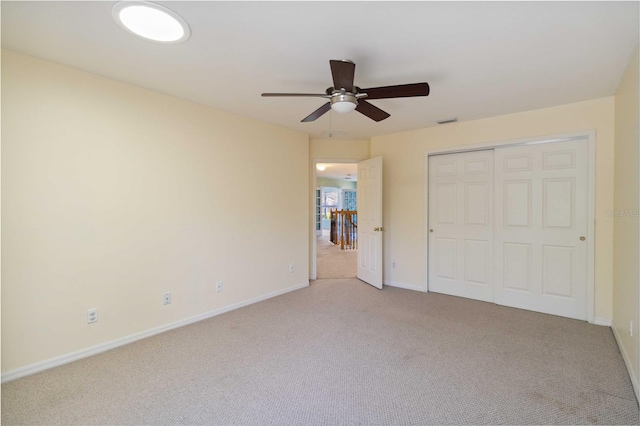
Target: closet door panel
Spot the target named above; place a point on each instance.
(541, 202)
(461, 224)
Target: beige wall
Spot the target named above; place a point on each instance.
(113, 195)
(333, 150)
(339, 149)
(625, 242)
(404, 192)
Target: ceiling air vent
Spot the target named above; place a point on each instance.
(450, 120)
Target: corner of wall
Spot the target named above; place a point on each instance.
(626, 225)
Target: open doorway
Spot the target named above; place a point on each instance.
(336, 220)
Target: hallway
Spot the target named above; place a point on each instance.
(333, 262)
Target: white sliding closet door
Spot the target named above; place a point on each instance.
(461, 222)
(541, 196)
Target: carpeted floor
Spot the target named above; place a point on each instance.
(342, 352)
(331, 262)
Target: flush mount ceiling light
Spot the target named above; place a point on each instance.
(321, 167)
(151, 21)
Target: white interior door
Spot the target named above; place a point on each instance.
(541, 228)
(369, 202)
(461, 224)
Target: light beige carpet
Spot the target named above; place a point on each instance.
(342, 352)
(331, 262)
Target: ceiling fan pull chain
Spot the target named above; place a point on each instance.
(330, 124)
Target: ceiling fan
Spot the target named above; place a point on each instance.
(344, 96)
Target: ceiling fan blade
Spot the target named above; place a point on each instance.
(371, 111)
(343, 73)
(317, 113)
(398, 91)
(315, 95)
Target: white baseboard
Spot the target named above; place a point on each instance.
(627, 362)
(102, 347)
(403, 285)
(602, 321)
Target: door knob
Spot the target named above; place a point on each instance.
(376, 228)
(582, 238)
(430, 230)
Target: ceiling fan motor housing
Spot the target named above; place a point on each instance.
(344, 97)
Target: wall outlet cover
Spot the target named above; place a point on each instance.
(92, 315)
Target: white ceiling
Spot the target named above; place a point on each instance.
(481, 59)
(340, 171)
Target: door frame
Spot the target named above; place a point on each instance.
(589, 137)
(313, 266)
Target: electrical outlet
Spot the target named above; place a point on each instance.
(166, 298)
(92, 315)
(291, 269)
(219, 287)
(631, 328)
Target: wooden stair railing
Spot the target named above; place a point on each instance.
(344, 229)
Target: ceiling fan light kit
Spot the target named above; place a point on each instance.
(343, 103)
(344, 96)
